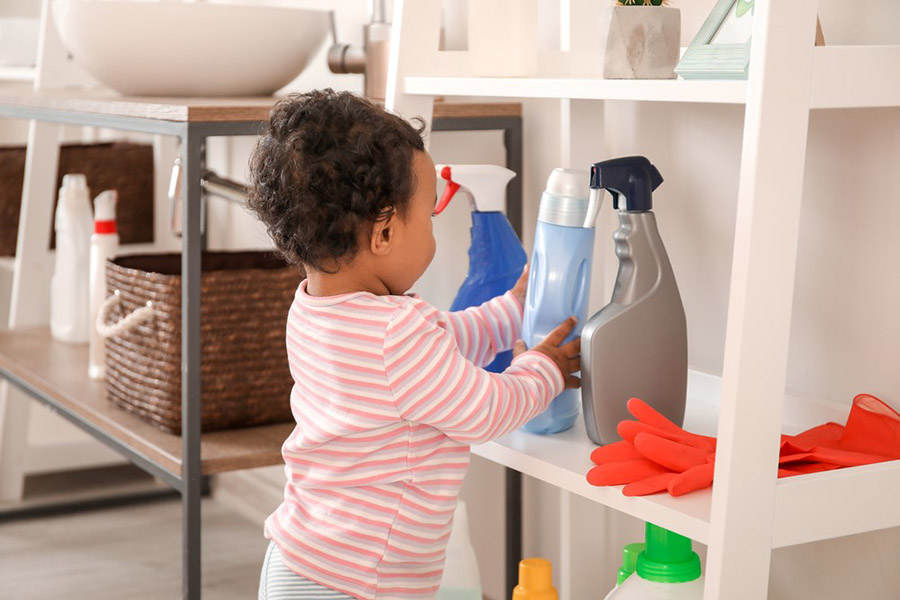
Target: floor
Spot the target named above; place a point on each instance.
(131, 552)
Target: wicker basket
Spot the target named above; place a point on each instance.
(121, 166)
(244, 369)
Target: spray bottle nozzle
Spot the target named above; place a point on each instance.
(633, 177)
(485, 186)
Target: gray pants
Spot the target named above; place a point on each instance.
(277, 582)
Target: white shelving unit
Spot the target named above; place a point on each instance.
(748, 512)
(19, 74)
(563, 460)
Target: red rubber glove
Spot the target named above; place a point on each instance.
(656, 455)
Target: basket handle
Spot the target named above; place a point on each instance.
(126, 323)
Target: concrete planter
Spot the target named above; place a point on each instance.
(641, 42)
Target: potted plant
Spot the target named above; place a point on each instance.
(643, 39)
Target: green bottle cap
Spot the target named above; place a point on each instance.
(629, 561)
(668, 557)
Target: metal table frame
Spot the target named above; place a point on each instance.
(190, 481)
(192, 135)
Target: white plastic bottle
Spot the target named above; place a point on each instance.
(630, 555)
(461, 580)
(69, 295)
(104, 245)
(667, 569)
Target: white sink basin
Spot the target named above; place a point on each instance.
(169, 48)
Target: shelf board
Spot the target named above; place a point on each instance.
(109, 103)
(808, 508)
(661, 90)
(56, 373)
(20, 74)
(843, 77)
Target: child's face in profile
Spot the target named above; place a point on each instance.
(414, 243)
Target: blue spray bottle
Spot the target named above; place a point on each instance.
(560, 278)
(496, 256)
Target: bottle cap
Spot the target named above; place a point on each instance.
(630, 555)
(668, 557)
(565, 198)
(631, 180)
(74, 181)
(105, 212)
(535, 580)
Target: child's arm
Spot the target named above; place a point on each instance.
(434, 384)
(483, 331)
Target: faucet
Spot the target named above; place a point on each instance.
(370, 59)
(212, 184)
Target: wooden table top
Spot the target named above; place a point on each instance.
(206, 110)
(58, 372)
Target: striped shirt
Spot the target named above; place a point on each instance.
(388, 396)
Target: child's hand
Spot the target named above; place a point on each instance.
(521, 286)
(567, 357)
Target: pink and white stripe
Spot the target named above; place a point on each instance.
(389, 394)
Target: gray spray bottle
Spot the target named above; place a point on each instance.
(635, 346)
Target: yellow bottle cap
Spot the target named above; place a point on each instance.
(535, 580)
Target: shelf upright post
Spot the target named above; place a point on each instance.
(760, 301)
(415, 35)
(32, 257)
(192, 159)
(26, 307)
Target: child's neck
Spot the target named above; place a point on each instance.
(349, 279)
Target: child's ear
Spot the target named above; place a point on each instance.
(383, 233)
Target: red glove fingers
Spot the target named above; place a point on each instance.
(625, 471)
(645, 413)
(696, 478)
(651, 421)
(672, 455)
(651, 485)
(629, 430)
(614, 452)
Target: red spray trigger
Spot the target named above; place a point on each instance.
(449, 191)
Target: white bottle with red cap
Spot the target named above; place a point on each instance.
(104, 245)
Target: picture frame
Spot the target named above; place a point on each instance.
(721, 48)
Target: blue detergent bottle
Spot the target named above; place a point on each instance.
(496, 256)
(560, 279)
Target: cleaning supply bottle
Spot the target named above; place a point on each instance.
(104, 245)
(535, 580)
(496, 256)
(630, 555)
(635, 346)
(667, 569)
(461, 580)
(69, 288)
(559, 280)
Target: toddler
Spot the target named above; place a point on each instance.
(389, 392)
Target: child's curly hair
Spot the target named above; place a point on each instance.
(327, 166)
